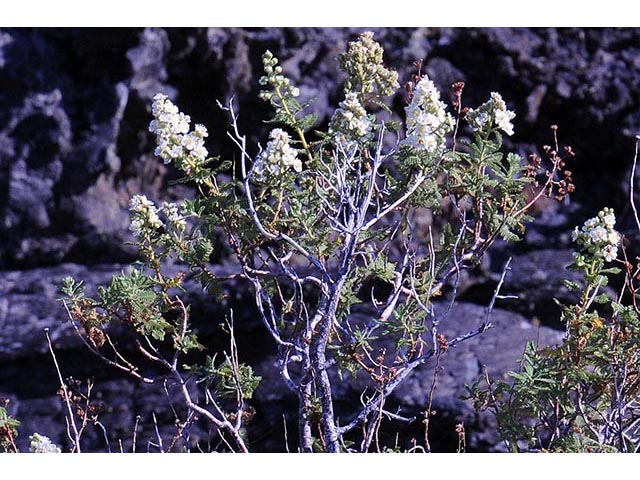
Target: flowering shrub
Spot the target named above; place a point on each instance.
(582, 395)
(311, 220)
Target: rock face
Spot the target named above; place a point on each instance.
(74, 147)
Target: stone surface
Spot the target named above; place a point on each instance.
(74, 147)
(74, 107)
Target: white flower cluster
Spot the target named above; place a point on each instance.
(278, 156)
(427, 121)
(174, 217)
(350, 122)
(42, 444)
(274, 77)
(363, 63)
(598, 235)
(144, 215)
(494, 110)
(175, 143)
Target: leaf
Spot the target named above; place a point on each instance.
(611, 271)
(201, 251)
(571, 285)
(602, 299)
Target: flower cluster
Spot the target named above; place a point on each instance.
(42, 444)
(598, 236)
(278, 156)
(350, 122)
(427, 121)
(175, 143)
(363, 63)
(493, 111)
(174, 218)
(144, 215)
(275, 78)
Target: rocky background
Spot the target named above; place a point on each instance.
(74, 147)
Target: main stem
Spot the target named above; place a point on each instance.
(327, 316)
(319, 362)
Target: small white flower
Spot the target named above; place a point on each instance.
(610, 253)
(478, 119)
(172, 213)
(590, 224)
(503, 120)
(191, 141)
(598, 234)
(139, 203)
(143, 214)
(42, 444)
(575, 234)
(598, 237)
(136, 226)
(174, 142)
(609, 219)
(200, 131)
(200, 152)
(175, 152)
(430, 144)
(350, 124)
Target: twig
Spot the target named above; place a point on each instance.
(104, 434)
(129, 369)
(632, 184)
(155, 426)
(286, 437)
(135, 433)
(70, 417)
(429, 410)
(496, 292)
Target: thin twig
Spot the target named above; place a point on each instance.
(104, 434)
(155, 426)
(632, 184)
(135, 434)
(496, 292)
(70, 417)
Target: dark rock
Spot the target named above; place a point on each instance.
(535, 279)
(75, 107)
(74, 147)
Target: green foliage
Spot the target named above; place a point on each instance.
(228, 379)
(581, 395)
(8, 430)
(134, 298)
